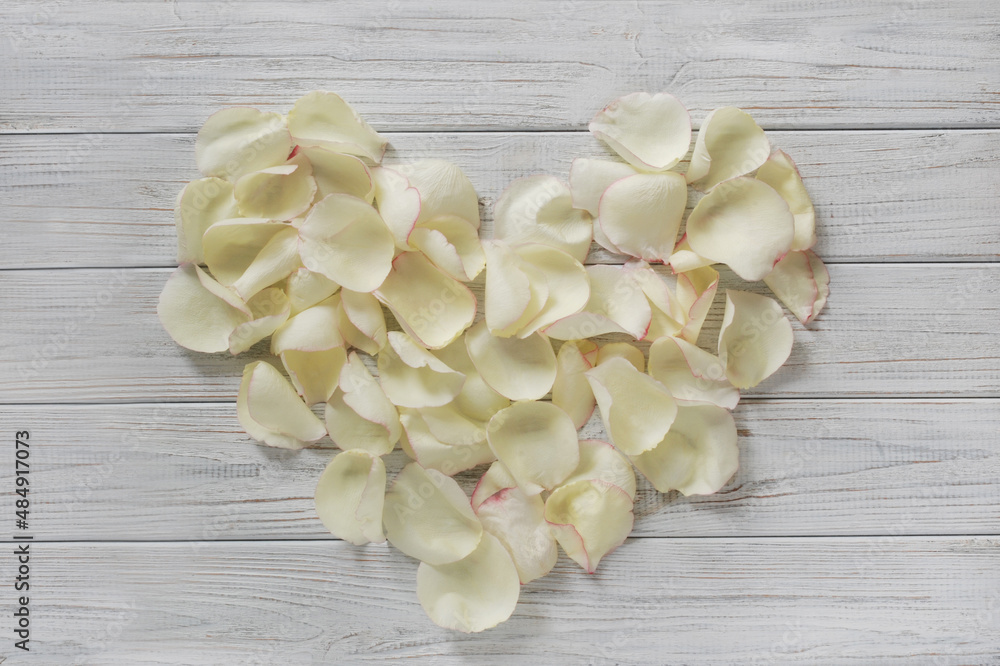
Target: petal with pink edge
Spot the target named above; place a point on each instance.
(589, 520)
(359, 415)
(696, 291)
(636, 409)
(600, 461)
(641, 214)
(537, 442)
(423, 445)
(616, 305)
(589, 178)
(350, 495)
(444, 190)
(651, 132)
(398, 203)
(755, 339)
(324, 119)
(780, 172)
(278, 193)
(729, 144)
(517, 520)
(241, 140)
(800, 280)
(452, 243)
(690, 373)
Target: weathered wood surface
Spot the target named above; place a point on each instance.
(106, 65)
(807, 468)
(92, 335)
(105, 200)
(690, 601)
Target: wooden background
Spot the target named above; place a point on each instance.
(864, 523)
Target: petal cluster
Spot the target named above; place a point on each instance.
(359, 274)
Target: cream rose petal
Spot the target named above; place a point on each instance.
(513, 298)
(624, 350)
(315, 374)
(344, 239)
(232, 247)
(651, 132)
(359, 415)
(476, 399)
(539, 209)
(198, 312)
(589, 178)
(350, 495)
(780, 172)
(516, 368)
(571, 392)
(423, 445)
(271, 412)
(800, 280)
(636, 409)
(279, 193)
(269, 309)
(337, 173)
(361, 321)
(537, 442)
(313, 329)
(744, 224)
(641, 214)
(667, 314)
(452, 243)
(398, 203)
(428, 517)
(690, 373)
(617, 304)
(685, 259)
(600, 461)
(696, 291)
(567, 284)
(518, 521)
(324, 119)
(306, 288)
(495, 479)
(589, 519)
(413, 377)
(241, 140)
(471, 595)
(431, 306)
(729, 144)
(444, 190)
(201, 204)
(755, 339)
(699, 454)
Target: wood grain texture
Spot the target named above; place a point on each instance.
(807, 468)
(151, 66)
(92, 335)
(880, 196)
(690, 601)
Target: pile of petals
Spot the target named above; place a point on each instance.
(358, 274)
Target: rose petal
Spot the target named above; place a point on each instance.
(600, 461)
(667, 313)
(315, 374)
(743, 223)
(431, 306)
(691, 373)
(617, 305)
(452, 243)
(477, 593)
(424, 445)
(198, 312)
(800, 280)
(780, 172)
(361, 321)
(413, 377)
(518, 522)
(444, 191)
(699, 454)
(636, 409)
(427, 516)
(325, 119)
(567, 284)
(517, 368)
(755, 339)
(313, 329)
(624, 350)
(277, 193)
(539, 209)
(398, 203)
(571, 392)
(537, 442)
(344, 239)
(589, 178)
(269, 309)
(238, 141)
(271, 412)
(696, 291)
(230, 254)
(685, 259)
(641, 214)
(359, 415)
(201, 204)
(729, 144)
(306, 288)
(476, 399)
(515, 293)
(495, 479)
(350, 495)
(589, 519)
(337, 173)
(651, 132)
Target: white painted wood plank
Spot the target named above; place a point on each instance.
(92, 335)
(807, 468)
(880, 196)
(690, 601)
(153, 65)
